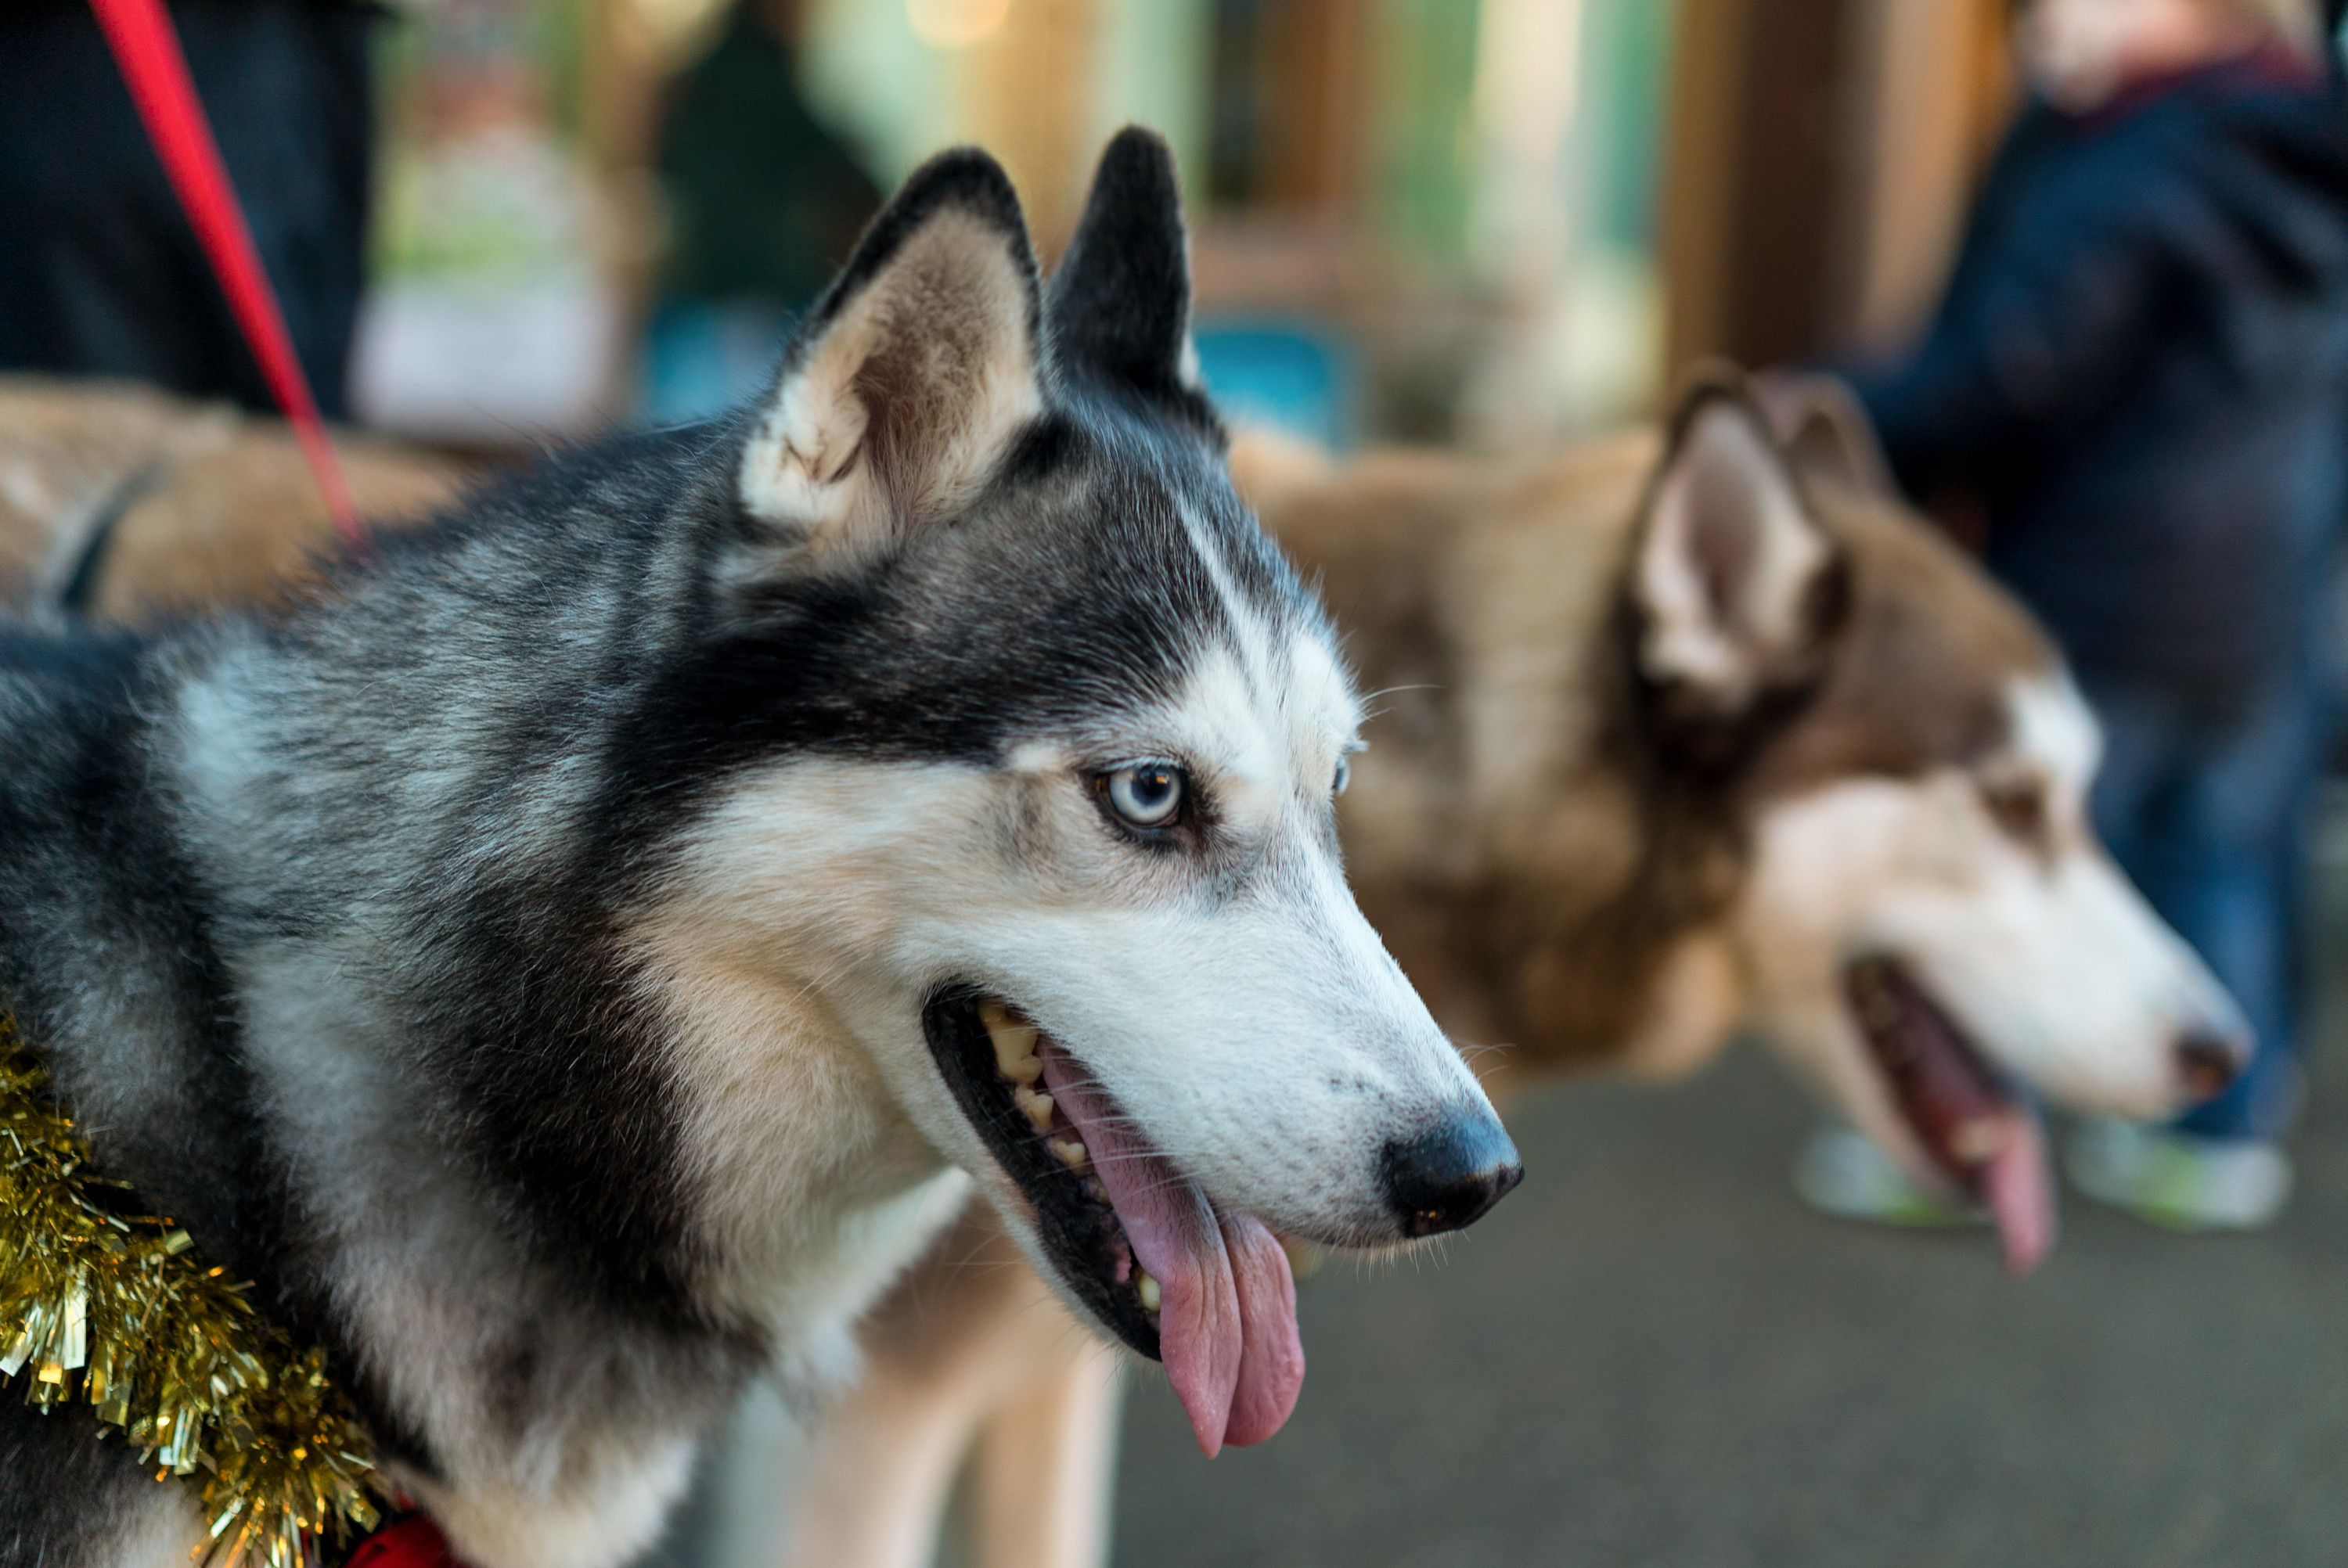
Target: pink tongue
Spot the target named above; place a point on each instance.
(2015, 1185)
(1227, 1311)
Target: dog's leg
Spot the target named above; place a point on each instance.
(971, 1331)
(1047, 1467)
(878, 1466)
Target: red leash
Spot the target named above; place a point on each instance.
(148, 49)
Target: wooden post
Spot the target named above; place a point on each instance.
(1937, 89)
(1030, 84)
(1821, 153)
(1701, 170)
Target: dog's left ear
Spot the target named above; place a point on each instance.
(914, 376)
(1826, 432)
(1736, 585)
(1120, 302)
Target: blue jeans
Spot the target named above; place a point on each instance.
(2209, 817)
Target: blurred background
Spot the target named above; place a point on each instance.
(1493, 224)
(1483, 222)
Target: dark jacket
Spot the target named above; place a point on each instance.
(100, 273)
(2140, 373)
(765, 204)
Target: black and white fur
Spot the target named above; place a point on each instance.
(518, 966)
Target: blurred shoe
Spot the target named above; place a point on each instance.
(1840, 1172)
(2177, 1180)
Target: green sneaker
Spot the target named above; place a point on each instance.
(2176, 1180)
(1840, 1172)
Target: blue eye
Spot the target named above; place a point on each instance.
(1147, 794)
(1344, 775)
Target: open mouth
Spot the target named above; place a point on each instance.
(1176, 1277)
(1980, 1135)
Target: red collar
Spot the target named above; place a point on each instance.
(413, 1541)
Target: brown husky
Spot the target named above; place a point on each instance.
(1683, 733)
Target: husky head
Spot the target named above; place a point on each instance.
(1927, 920)
(1040, 809)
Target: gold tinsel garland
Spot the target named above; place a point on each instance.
(118, 1310)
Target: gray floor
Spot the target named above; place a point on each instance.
(1650, 1355)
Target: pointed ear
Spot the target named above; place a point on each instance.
(913, 375)
(1737, 587)
(1826, 432)
(1121, 298)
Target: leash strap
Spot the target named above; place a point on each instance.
(147, 48)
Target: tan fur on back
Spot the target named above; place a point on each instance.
(224, 508)
(64, 449)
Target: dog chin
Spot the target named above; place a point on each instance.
(1135, 1244)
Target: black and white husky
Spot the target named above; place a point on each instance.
(575, 970)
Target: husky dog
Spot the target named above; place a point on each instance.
(575, 966)
(1688, 735)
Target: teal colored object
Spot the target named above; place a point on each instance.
(701, 358)
(1293, 377)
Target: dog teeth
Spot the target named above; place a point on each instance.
(1015, 1042)
(1038, 1107)
(1072, 1152)
(1148, 1289)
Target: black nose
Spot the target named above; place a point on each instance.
(1444, 1177)
(2206, 1063)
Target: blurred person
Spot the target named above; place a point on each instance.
(764, 203)
(2136, 387)
(100, 273)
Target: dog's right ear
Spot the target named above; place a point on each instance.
(1736, 585)
(911, 378)
(1120, 302)
(1826, 432)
